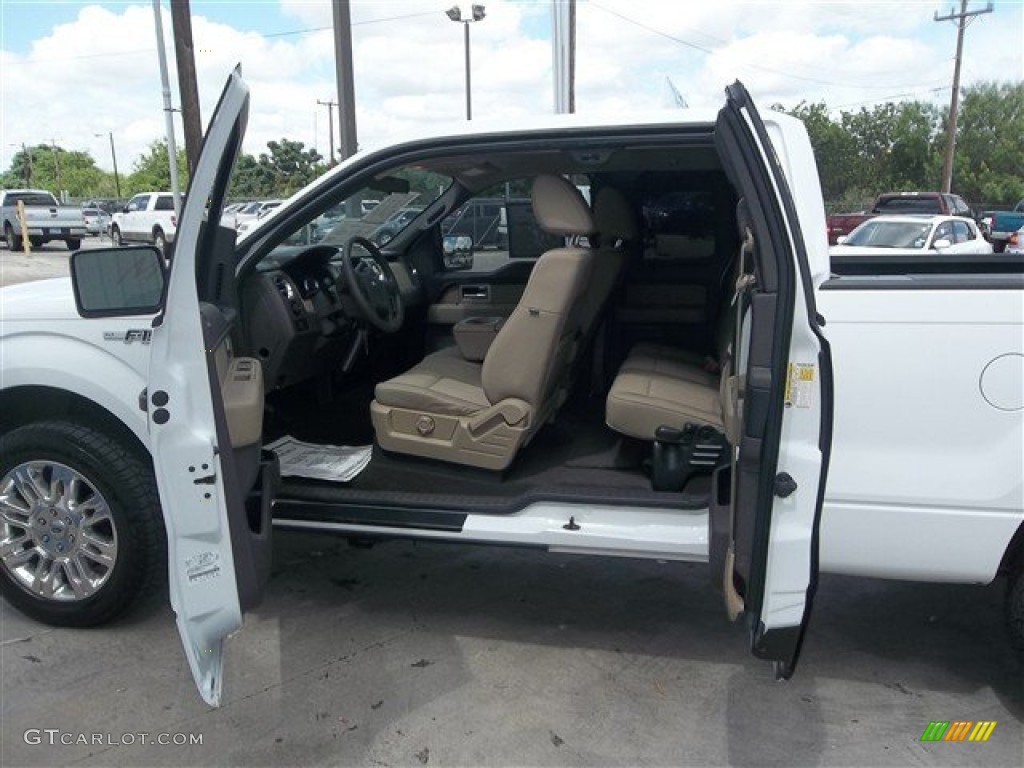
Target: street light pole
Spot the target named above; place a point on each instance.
(455, 14)
(469, 89)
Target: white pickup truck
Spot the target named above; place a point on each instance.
(45, 219)
(673, 372)
(148, 217)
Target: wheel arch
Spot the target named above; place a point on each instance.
(1013, 557)
(27, 404)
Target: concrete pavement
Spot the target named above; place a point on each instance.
(431, 654)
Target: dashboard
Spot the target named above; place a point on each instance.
(298, 317)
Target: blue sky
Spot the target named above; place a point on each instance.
(72, 70)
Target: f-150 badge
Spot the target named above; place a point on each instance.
(141, 335)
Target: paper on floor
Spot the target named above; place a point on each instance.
(338, 463)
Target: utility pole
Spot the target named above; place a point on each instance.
(56, 165)
(185, 55)
(330, 126)
(962, 20)
(27, 166)
(346, 79)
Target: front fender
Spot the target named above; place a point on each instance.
(111, 380)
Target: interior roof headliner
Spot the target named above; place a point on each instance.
(478, 171)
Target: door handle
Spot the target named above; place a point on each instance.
(476, 292)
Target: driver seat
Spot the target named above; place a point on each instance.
(480, 414)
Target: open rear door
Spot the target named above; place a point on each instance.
(204, 408)
(766, 557)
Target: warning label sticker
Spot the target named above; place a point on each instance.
(800, 385)
(202, 567)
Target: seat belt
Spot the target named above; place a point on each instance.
(744, 282)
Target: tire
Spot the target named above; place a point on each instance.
(160, 242)
(1014, 609)
(115, 237)
(116, 557)
(73, 243)
(9, 236)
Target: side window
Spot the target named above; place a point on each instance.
(164, 203)
(679, 224)
(961, 232)
(943, 232)
(501, 224)
(138, 203)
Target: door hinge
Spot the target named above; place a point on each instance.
(784, 485)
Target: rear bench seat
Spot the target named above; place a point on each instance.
(663, 386)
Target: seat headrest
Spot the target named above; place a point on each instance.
(614, 217)
(560, 208)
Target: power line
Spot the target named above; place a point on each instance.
(772, 70)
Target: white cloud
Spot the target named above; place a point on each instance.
(98, 72)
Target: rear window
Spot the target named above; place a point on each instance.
(30, 198)
(908, 205)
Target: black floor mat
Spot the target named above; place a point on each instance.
(576, 459)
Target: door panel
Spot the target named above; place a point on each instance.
(770, 557)
(214, 550)
(463, 294)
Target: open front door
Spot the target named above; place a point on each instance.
(205, 409)
(765, 557)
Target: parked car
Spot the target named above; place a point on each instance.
(897, 203)
(97, 221)
(714, 438)
(915, 235)
(148, 217)
(45, 219)
(249, 216)
(395, 224)
(1001, 224)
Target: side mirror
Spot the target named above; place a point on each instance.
(841, 239)
(941, 243)
(458, 252)
(113, 282)
(125, 209)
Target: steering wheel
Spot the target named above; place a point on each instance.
(373, 286)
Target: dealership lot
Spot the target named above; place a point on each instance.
(430, 654)
(417, 654)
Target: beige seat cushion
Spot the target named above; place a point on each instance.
(670, 362)
(443, 383)
(639, 403)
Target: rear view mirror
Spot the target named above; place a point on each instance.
(941, 243)
(458, 252)
(112, 282)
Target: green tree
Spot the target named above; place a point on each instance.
(289, 166)
(58, 170)
(250, 180)
(840, 166)
(151, 172)
(988, 167)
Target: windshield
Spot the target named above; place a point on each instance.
(890, 234)
(379, 210)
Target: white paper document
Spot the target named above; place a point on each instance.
(338, 463)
